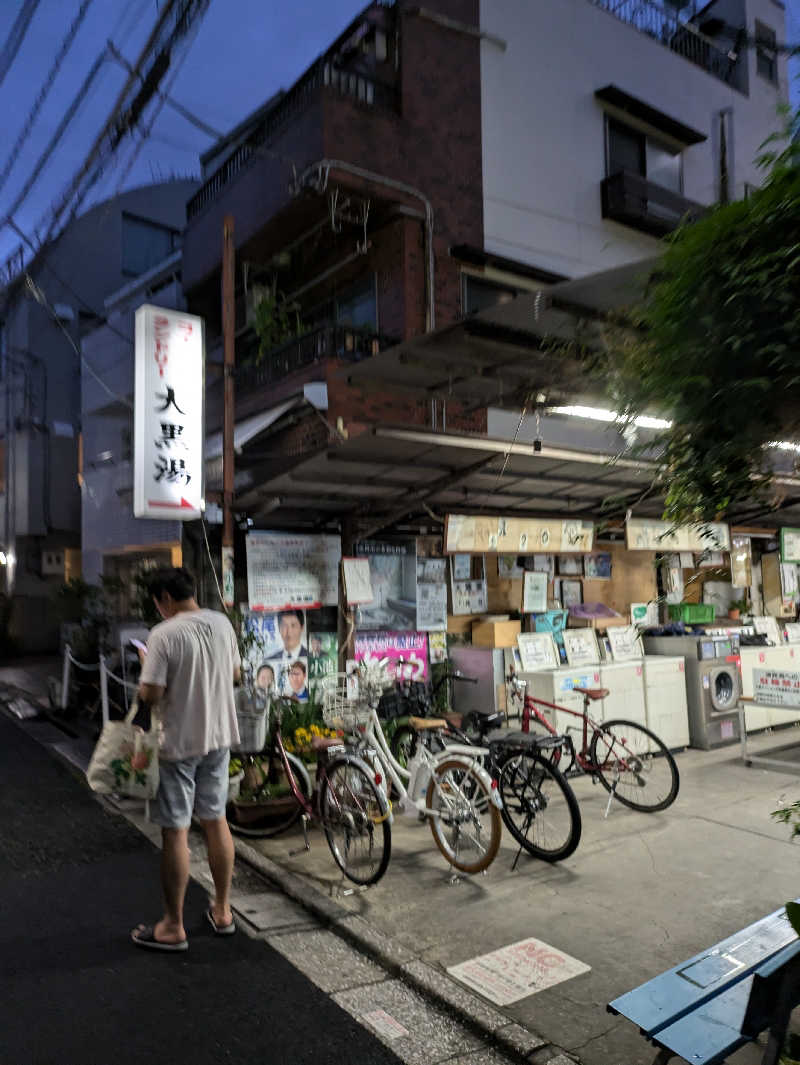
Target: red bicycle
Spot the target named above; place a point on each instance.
(629, 760)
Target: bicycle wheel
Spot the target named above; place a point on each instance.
(633, 763)
(539, 807)
(355, 819)
(267, 817)
(466, 826)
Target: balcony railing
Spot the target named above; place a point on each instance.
(636, 202)
(328, 341)
(684, 38)
(322, 74)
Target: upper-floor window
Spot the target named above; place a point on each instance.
(145, 244)
(766, 52)
(478, 293)
(638, 153)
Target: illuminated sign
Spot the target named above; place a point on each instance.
(168, 415)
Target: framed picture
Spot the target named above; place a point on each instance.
(570, 565)
(537, 651)
(581, 647)
(534, 592)
(597, 567)
(571, 592)
(625, 643)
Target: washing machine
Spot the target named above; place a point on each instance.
(665, 699)
(784, 657)
(557, 686)
(713, 684)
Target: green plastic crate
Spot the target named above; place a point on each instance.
(692, 613)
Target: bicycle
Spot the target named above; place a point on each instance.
(624, 756)
(451, 788)
(347, 801)
(539, 807)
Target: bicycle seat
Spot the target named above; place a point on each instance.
(422, 724)
(592, 693)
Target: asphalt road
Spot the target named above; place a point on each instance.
(73, 988)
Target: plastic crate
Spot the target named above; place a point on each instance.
(692, 613)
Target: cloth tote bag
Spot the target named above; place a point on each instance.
(125, 760)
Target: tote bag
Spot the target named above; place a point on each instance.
(125, 760)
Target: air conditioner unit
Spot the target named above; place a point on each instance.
(52, 563)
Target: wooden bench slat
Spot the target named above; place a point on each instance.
(664, 1000)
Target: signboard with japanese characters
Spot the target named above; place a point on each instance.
(168, 414)
(647, 534)
(287, 570)
(481, 534)
(776, 687)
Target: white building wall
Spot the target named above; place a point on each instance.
(544, 131)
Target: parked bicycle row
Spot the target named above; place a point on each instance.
(464, 776)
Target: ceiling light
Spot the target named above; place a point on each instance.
(598, 414)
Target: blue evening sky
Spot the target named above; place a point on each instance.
(243, 52)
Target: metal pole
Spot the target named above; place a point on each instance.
(228, 328)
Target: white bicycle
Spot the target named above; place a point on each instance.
(450, 788)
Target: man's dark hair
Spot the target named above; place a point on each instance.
(291, 614)
(298, 662)
(176, 580)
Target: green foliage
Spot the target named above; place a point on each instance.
(715, 347)
(276, 321)
(90, 608)
(789, 815)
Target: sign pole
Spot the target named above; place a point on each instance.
(229, 352)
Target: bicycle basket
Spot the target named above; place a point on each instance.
(342, 706)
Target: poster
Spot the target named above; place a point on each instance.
(625, 643)
(571, 592)
(509, 567)
(534, 592)
(357, 581)
(570, 565)
(410, 647)
(581, 647)
(776, 687)
(470, 596)
(462, 567)
(790, 545)
(323, 659)
(437, 647)
(292, 570)
(741, 562)
(517, 971)
(432, 594)
(393, 577)
(597, 567)
(278, 654)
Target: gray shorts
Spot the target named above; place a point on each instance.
(198, 785)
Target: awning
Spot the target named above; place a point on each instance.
(315, 394)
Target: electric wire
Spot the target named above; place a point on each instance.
(44, 91)
(16, 36)
(211, 563)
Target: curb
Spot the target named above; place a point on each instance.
(483, 1019)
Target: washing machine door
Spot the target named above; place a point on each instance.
(724, 688)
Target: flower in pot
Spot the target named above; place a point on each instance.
(738, 607)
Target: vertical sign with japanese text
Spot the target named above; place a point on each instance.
(168, 414)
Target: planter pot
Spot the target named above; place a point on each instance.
(733, 614)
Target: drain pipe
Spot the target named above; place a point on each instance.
(327, 165)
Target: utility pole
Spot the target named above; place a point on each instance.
(229, 362)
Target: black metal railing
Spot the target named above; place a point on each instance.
(664, 26)
(323, 74)
(317, 345)
(634, 201)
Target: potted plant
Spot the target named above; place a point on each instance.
(738, 607)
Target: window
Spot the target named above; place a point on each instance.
(639, 153)
(766, 52)
(478, 294)
(357, 306)
(145, 244)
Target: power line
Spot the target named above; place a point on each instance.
(43, 92)
(16, 36)
(168, 100)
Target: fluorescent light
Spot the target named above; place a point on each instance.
(783, 445)
(2, 558)
(598, 414)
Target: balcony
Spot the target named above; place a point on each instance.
(322, 75)
(636, 202)
(313, 348)
(684, 38)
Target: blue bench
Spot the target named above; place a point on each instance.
(711, 1005)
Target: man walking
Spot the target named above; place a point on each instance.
(189, 669)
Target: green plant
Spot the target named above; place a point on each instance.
(742, 605)
(247, 639)
(275, 321)
(89, 607)
(715, 346)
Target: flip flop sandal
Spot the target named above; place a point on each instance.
(220, 929)
(144, 936)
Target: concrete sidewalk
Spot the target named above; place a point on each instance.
(642, 893)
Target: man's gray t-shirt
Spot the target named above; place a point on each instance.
(194, 655)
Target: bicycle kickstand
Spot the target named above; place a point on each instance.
(516, 859)
(611, 796)
(306, 845)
